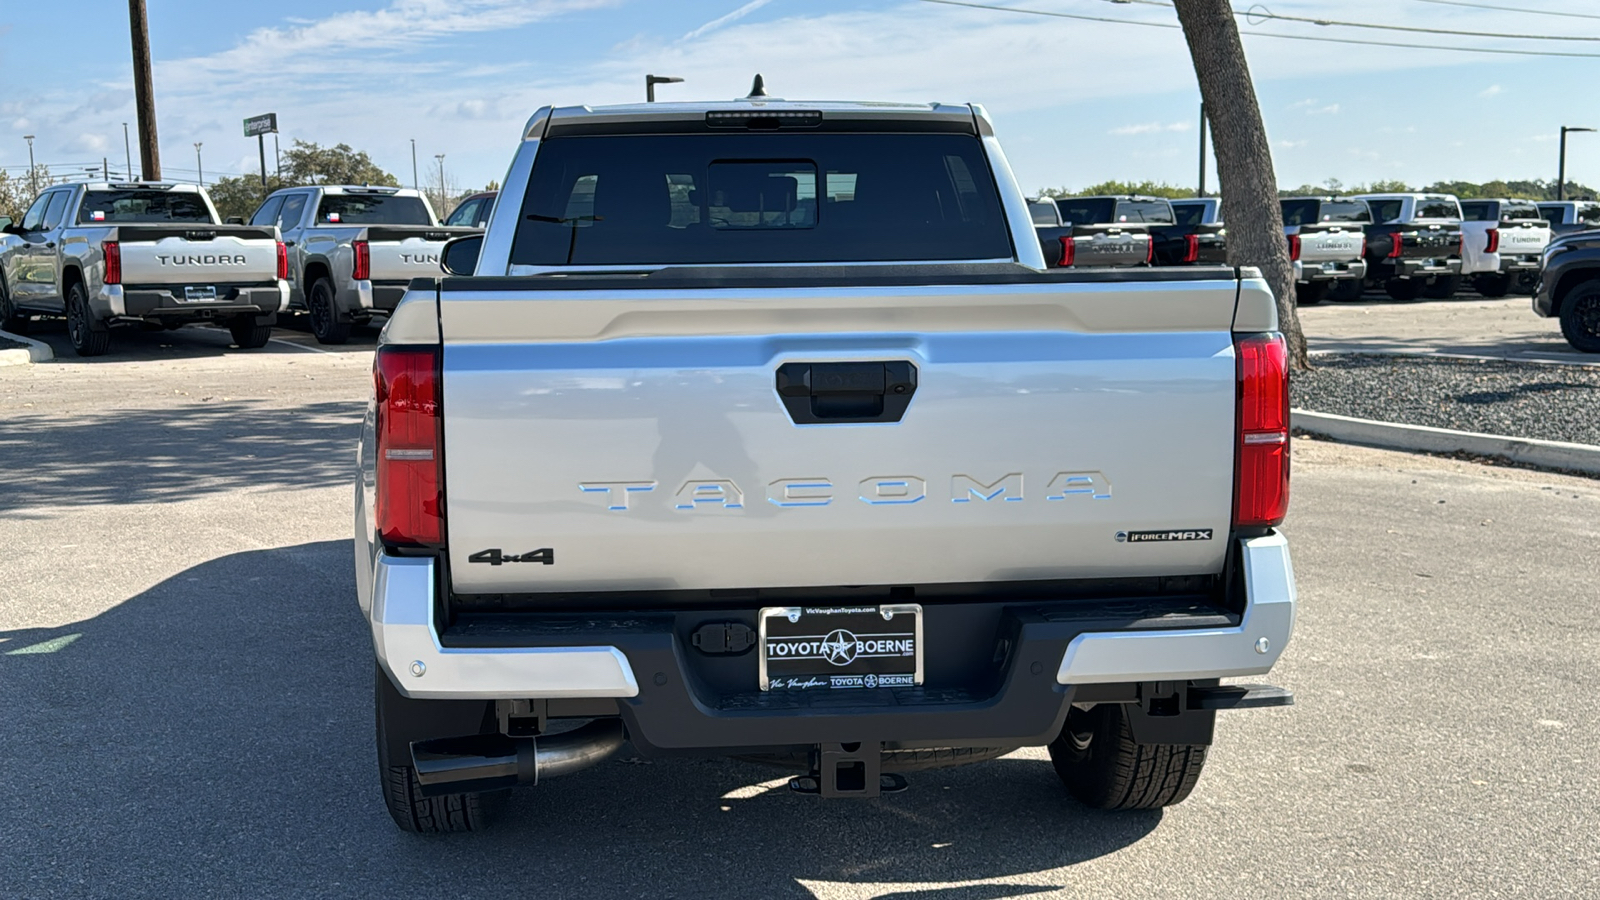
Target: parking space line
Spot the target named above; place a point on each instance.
(302, 346)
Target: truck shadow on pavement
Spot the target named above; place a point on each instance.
(212, 735)
(175, 453)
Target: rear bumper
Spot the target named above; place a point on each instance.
(1338, 271)
(367, 298)
(669, 702)
(117, 300)
(1415, 268)
(1518, 264)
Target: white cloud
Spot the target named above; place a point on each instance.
(1492, 90)
(93, 143)
(1150, 128)
(1290, 145)
(720, 21)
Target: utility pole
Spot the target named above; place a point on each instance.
(277, 160)
(33, 174)
(127, 149)
(199, 168)
(1202, 191)
(415, 185)
(105, 168)
(440, 158)
(144, 97)
(1561, 171)
(650, 82)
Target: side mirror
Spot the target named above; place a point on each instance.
(5, 225)
(234, 220)
(460, 256)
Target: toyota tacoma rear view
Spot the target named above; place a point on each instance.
(763, 429)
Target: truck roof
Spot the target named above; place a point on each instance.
(363, 189)
(175, 186)
(808, 113)
(1140, 197)
(1403, 195)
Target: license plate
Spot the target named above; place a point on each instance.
(840, 647)
(193, 294)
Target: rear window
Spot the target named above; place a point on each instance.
(1435, 208)
(132, 206)
(1044, 212)
(1189, 213)
(371, 209)
(1477, 211)
(759, 198)
(1385, 210)
(1087, 211)
(1299, 212)
(1154, 211)
(1589, 213)
(1512, 211)
(1344, 211)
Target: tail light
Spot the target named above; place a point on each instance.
(1069, 252)
(1294, 247)
(363, 265)
(1149, 250)
(1261, 481)
(113, 254)
(1494, 241)
(1191, 247)
(1398, 244)
(283, 261)
(408, 502)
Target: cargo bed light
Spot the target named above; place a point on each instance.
(408, 502)
(1261, 479)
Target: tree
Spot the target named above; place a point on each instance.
(1118, 188)
(240, 195)
(1244, 158)
(308, 163)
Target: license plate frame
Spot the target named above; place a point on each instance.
(200, 293)
(840, 647)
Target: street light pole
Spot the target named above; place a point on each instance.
(33, 174)
(1202, 191)
(199, 168)
(650, 82)
(127, 149)
(1561, 171)
(415, 184)
(440, 158)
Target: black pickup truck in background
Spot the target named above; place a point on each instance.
(1414, 244)
(1196, 237)
(1097, 231)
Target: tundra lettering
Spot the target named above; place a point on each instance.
(206, 260)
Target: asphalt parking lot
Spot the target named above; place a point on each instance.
(185, 683)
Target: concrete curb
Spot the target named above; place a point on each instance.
(1583, 458)
(37, 351)
(1441, 354)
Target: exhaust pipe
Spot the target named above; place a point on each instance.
(492, 762)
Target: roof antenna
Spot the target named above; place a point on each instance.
(758, 88)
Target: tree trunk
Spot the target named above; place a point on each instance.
(1244, 158)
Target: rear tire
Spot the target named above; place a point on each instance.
(324, 309)
(1580, 317)
(248, 334)
(402, 794)
(1442, 288)
(89, 337)
(1102, 766)
(1492, 286)
(1310, 293)
(1403, 289)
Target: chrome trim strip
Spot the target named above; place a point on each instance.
(1123, 656)
(406, 642)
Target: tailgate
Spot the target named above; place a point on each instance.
(1110, 245)
(1331, 243)
(202, 255)
(1523, 238)
(401, 253)
(641, 436)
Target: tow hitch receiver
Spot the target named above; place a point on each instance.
(848, 770)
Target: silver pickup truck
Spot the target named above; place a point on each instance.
(100, 254)
(352, 250)
(1327, 243)
(762, 428)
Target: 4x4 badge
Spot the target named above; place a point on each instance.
(495, 557)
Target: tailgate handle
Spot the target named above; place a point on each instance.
(846, 392)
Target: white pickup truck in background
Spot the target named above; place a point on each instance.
(1501, 242)
(138, 253)
(762, 428)
(1327, 245)
(353, 249)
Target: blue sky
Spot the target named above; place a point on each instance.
(1075, 102)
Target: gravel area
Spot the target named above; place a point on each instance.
(1553, 403)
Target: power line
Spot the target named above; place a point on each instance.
(1516, 9)
(1269, 34)
(1263, 13)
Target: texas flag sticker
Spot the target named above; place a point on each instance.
(333, 217)
(98, 215)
